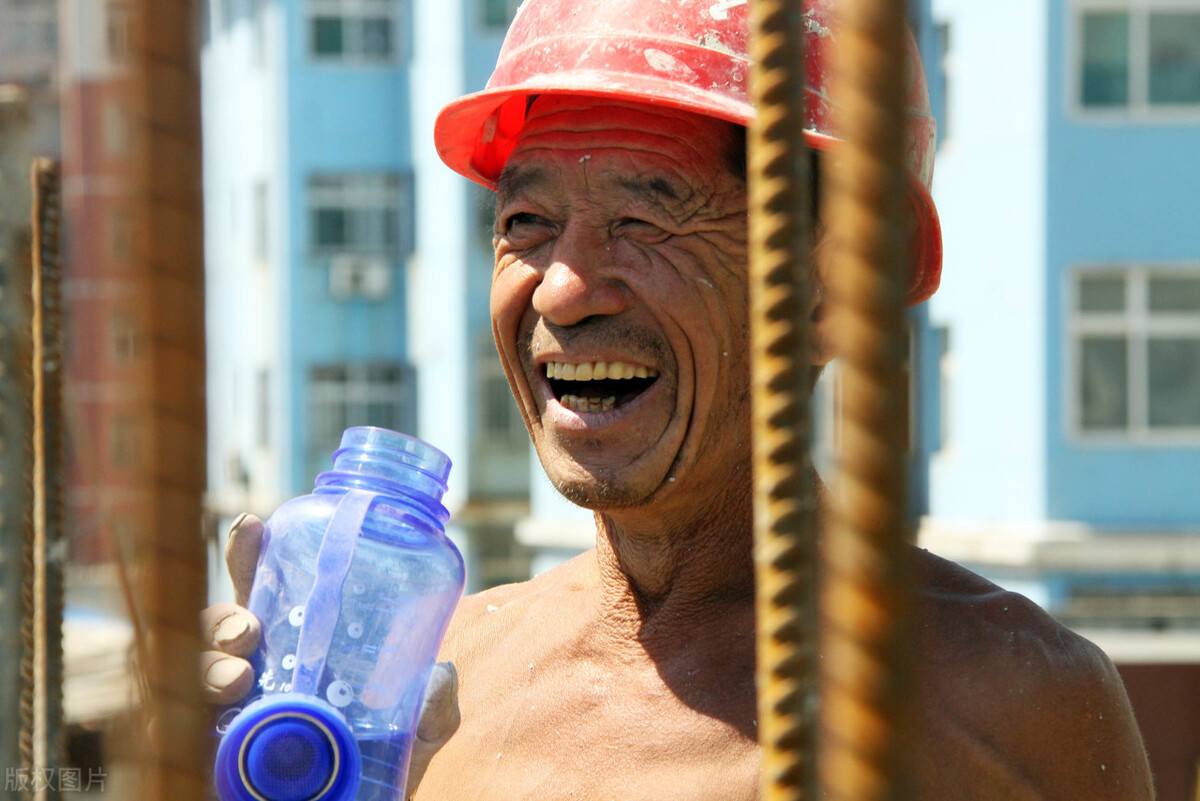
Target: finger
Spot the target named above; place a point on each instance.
(241, 554)
(226, 679)
(230, 629)
(439, 720)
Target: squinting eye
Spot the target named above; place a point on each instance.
(521, 218)
(640, 229)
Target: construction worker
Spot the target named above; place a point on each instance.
(613, 134)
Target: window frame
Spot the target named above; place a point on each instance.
(357, 388)
(1138, 109)
(1136, 324)
(358, 10)
(393, 194)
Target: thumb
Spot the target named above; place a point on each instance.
(439, 720)
(241, 554)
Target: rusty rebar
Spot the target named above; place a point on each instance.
(168, 555)
(784, 477)
(867, 692)
(48, 544)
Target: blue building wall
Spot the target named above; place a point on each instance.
(342, 118)
(989, 186)
(1117, 192)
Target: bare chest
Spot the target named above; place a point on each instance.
(590, 734)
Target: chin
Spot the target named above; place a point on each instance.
(599, 493)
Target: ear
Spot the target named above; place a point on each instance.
(822, 337)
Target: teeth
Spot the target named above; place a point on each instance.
(579, 404)
(596, 371)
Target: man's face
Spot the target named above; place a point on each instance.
(621, 251)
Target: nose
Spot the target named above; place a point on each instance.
(581, 280)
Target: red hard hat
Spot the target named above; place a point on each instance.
(687, 54)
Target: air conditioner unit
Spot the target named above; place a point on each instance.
(353, 275)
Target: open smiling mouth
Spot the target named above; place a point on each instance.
(598, 386)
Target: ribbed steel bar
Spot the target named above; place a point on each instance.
(867, 693)
(16, 458)
(169, 560)
(784, 478)
(49, 546)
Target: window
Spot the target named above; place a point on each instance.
(120, 234)
(116, 129)
(116, 31)
(353, 30)
(498, 14)
(945, 66)
(126, 339)
(260, 33)
(500, 418)
(125, 442)
(261, 226)
(1138, 55)
(262, 391)
(344, 395)
(1136, 353)
(360, 213)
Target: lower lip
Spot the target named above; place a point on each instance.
(568, 419)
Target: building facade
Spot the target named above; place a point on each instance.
(347, 272)
(1062, 354)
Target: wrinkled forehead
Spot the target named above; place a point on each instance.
(564, 130)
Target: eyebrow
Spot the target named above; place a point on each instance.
(514, 180)
(651, 188)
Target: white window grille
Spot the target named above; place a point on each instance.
(357, 394)
(360, 213)
(1135, 354)
(356, 31)
(500, 418)
(1136, 57)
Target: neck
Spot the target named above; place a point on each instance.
(675, 564)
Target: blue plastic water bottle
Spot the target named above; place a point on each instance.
(354, 589)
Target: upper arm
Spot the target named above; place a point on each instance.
(1019, 706)
(1081, 723)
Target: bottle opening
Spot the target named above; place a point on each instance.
(392, 445)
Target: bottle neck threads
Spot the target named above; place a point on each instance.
(392, 464)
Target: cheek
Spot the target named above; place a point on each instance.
(710, 302)
(512, 288)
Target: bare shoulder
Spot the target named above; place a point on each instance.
(1015, 692)
(485, 620)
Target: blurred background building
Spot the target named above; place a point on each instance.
(1061, 359)
(320, 181)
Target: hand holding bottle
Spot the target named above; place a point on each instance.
(234, 634)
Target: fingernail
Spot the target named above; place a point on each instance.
(230, 629)
(223, 673)
(234, 525)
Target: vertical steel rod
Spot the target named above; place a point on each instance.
(784, 477)
(867, 692)
(169, 558)
(16, 421)
(48, 544)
